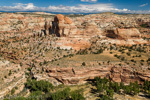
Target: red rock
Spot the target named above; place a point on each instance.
(68, 20)
(70, 75)
(59, 18)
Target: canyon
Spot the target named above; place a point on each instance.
(74, 49)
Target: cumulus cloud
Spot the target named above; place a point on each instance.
(92, 8)
(84, 8)
(19, 7)
(143, 5)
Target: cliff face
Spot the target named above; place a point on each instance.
(76, 75)
(122, 33)
(126, 75)
(81, 75)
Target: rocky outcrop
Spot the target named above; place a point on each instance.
(81, 75)
(76, 75)
(60, 26)
(127, 75)
(129, 33)
(123, 33)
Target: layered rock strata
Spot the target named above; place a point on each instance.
(70, 76)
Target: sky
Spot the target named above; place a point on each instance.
(77, 6)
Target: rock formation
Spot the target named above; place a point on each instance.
(60, 26)
(76, 75)
(123, 33)
(121, 27)
(81, 75)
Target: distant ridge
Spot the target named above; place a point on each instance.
(54, 13)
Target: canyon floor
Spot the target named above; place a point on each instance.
(71, 50)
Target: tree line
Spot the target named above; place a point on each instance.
(106, 88)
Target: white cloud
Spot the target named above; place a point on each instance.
(30, 6)
(92, 8)
(89, 0)
(18, 7)
(65, 9)
(143, 5)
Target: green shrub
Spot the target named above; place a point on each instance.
(110, 52)
(128, 54)
(61, 95)
(105, 97)
(144, 25)
(12, 91)
(16, 87)
(17, 98)
(9, 72)
(83, 64)
(41, 85)
(35, 95)
(77, 95)
(29, 68)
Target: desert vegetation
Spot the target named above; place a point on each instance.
(106, 88)
(43, 90)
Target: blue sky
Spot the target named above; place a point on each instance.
(77, 6)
